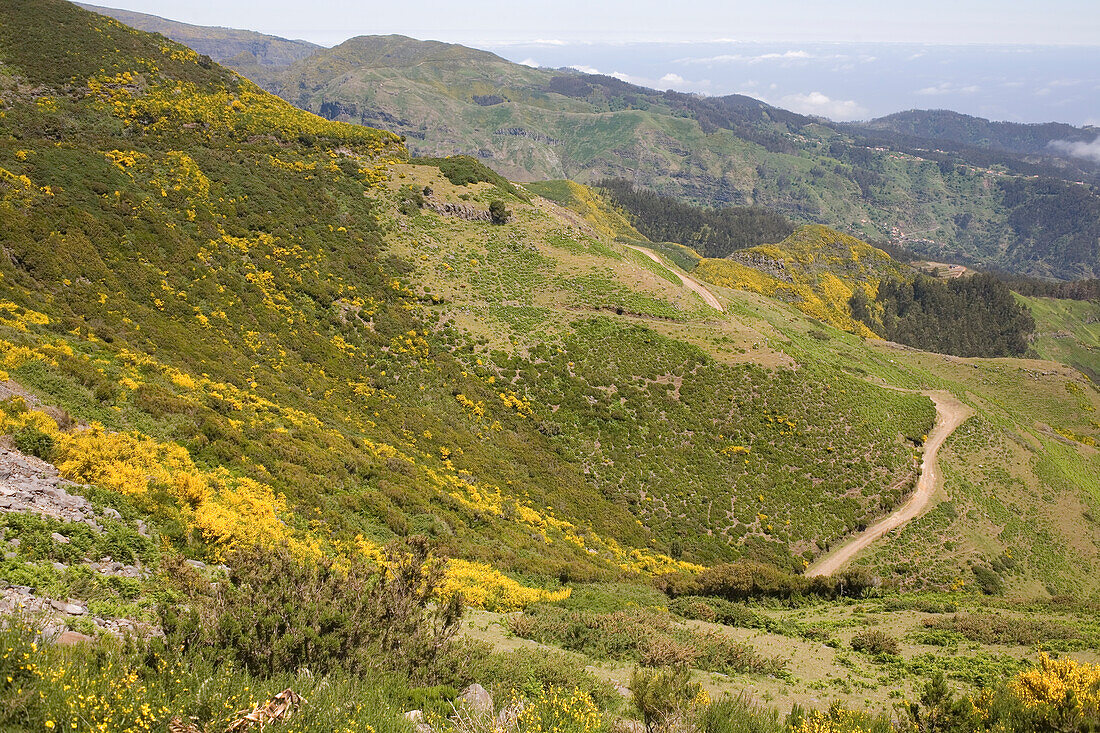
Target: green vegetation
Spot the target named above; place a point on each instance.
(971, 316)
(816, 269)
(462, 170)
(263, 347)
(1067, 331)
(711, 232)
(650, 638)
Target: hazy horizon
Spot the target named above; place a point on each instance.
(842, 80)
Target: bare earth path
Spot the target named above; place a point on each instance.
(687, 280)
(950, 413)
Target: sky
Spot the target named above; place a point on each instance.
(842, 59)
(483, 21)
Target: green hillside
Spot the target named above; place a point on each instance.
(255, 55)
(334, 370)
(1067, 331)
(381, 389)
(939, 193)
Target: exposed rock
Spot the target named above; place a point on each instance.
(59, 538)
(477, 699)
(415, 716)
(69, 637)
(72, 609)
(32, 486)
(461, 211)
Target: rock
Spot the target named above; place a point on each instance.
(141, 528)
(112, 513)
(197, 564)
(9, 555)
(14, 542)
(68, 637)
(59, 566)
(70, 608)
(59, 538)
(415, 716)
(477, 699)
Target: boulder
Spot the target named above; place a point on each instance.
(73, 609)
(477, 699)
(69, 637)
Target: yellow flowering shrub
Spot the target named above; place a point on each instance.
(836, 720)
(559, 711)
(482, 586)
(1066, 685)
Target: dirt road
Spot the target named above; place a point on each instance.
(950, 413)
(690, 282)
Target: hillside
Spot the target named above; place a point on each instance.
(941, 125)
(257, 56)
(947, 201)
(445, 429)
(534, 124)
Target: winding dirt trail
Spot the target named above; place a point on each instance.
(687, 280)
(950, 413)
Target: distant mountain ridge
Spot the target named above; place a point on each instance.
(1011, 137)
(255, 55)
(965, 196)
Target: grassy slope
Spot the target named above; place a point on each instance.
(813, 172)
(340, 334)
(183, 201)
(1067, 331)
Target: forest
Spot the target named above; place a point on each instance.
(712, 232)
(975, 316)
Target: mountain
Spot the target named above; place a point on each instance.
(941, 199)
(255, 55)
(378, 388)
(964, 204)
(941, 125)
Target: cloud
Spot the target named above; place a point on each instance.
(530, 62)
(729, 58)
(816, 103)
(668, 81)
(948, 87)
(549, 42)
(1079, 149)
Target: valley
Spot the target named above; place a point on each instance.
(295, 420)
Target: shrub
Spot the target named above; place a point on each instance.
(987, 628)
(875, 642)
(721, 611)
(529, 671)
(34, 442)
(645, 636)
(498, 212)
(276, 613)
(665, 696)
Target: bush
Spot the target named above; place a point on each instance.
(664, 696)
(645, 636)
(498, 212)
(875, 642)
(34, 442)
(719, 610)
(987, 628)
(277, 613)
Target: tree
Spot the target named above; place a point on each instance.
(498, 213)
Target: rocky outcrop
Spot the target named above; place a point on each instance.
(460, 211)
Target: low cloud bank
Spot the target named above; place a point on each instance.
(1079, 149)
